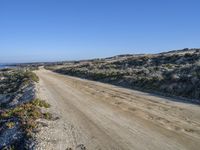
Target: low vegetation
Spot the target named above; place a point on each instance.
(19, 109)
(12, 80)
(175, 73)
(26, 115)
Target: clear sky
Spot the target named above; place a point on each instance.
(50, 30)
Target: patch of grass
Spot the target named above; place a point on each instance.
(10, 124)
(47, 116)
(27, 114)
(40, 103)
(32, 76)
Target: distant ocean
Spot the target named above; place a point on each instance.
(2, 66)
(5, 66)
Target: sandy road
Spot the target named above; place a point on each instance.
(106, 117)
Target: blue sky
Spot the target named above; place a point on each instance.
(50, 30)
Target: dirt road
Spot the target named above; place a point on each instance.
(104, 117)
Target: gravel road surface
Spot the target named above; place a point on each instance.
(98, 116)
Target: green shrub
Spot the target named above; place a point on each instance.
(27, 114)
(32, 76)
(40, 103)
(10, 124)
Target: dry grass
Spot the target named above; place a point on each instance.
(27, 114)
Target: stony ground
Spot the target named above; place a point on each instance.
(93, 116)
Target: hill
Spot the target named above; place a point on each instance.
(173, 73)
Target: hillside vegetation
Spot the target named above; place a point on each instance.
(175, 73)
(12, 80)
(19, 109)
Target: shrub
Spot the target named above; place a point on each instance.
(40, 103)
(27, 114)
(10, 124)
(32, 76)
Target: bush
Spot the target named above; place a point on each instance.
(31, 76)
(40, 103)
(27, 114)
